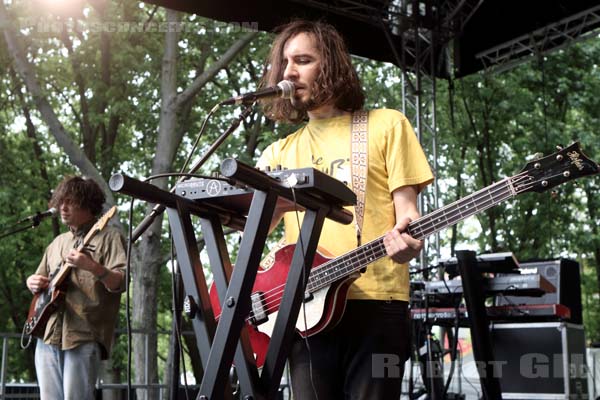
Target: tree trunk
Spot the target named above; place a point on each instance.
(169, 137)
(145, 288)
(191, 91)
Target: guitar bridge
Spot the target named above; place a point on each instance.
(259, 311)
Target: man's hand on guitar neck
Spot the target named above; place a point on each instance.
(399, 245)
(36, 283)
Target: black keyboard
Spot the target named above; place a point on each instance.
(321, 184)
(514, 285)
(508, 313)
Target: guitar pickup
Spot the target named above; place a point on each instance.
(259, 311)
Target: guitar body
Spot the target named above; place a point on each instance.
(42, 306)
(322, 309)
(46, 302)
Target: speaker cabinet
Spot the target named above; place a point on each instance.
(564, 275)
(540, 360)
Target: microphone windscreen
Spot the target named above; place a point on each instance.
(287, 89)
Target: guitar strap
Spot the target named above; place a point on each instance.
(359, 166)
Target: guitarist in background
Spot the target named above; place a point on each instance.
(80, 332)
(363, 356)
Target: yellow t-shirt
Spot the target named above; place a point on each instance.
(395, 160)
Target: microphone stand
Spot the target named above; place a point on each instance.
(16, 228)
(159, 208)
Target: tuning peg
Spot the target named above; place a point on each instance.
(559, 147)
(554, 194)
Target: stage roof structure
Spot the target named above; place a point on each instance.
(483, 34)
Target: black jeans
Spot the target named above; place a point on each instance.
(361, 358)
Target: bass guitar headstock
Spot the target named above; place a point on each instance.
(547, 172)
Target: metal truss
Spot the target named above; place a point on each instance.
(420, 108)
(457, 13)
(415, 22)
(552, 37)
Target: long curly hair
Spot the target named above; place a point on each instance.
(82, 192)
(337, 80)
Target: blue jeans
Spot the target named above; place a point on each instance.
(67, 374)
(362, 358)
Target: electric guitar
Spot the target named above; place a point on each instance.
(46, 301)
(329, 279)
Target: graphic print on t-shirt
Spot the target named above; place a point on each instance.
(339, 168)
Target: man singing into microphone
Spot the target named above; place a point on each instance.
(80, 332)
(362, 357)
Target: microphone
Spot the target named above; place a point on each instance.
(284, 89)
(38, 216)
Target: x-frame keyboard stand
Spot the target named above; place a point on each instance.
(226, 342)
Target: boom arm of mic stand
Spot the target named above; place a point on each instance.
(159, 208)
(32, 222)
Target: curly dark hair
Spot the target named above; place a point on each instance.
(82, 192)
(337, 80)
